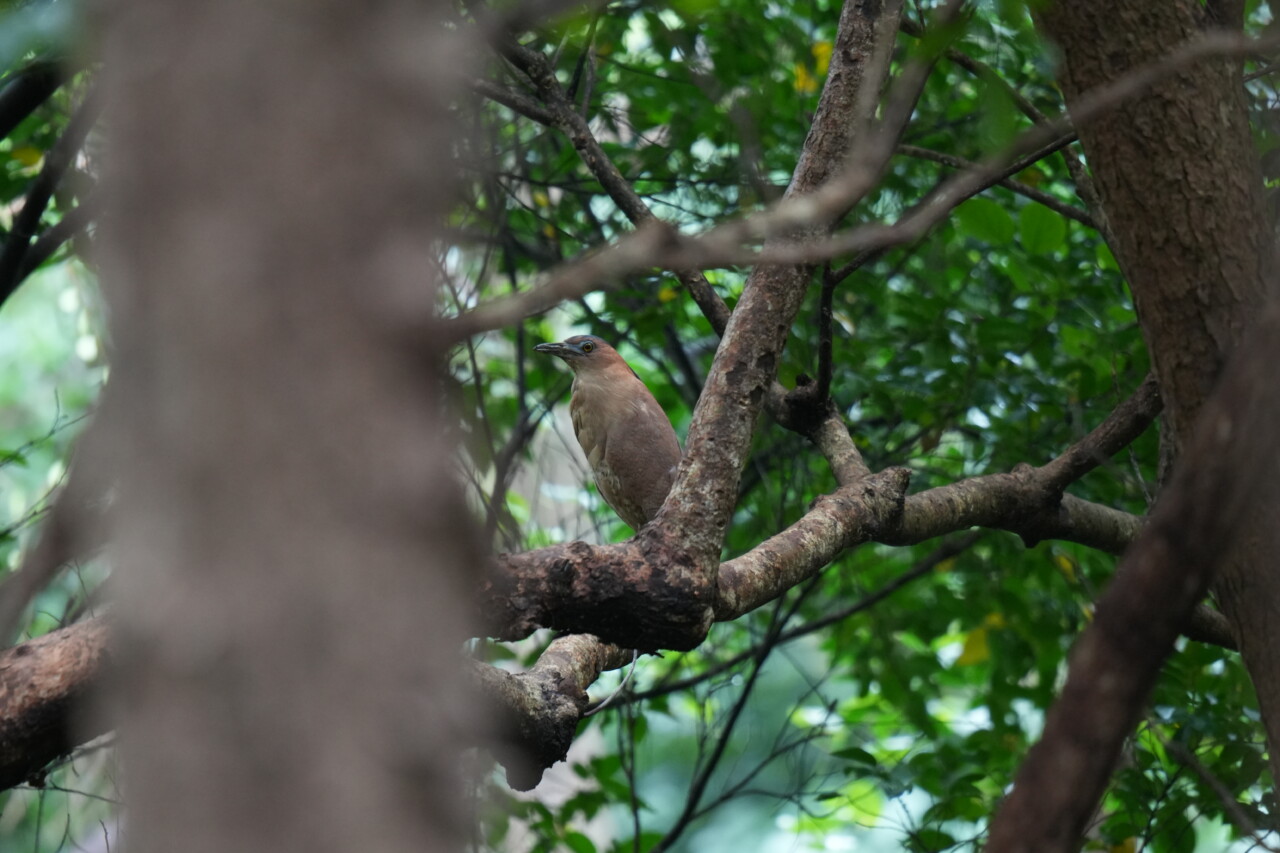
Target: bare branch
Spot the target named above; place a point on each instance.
(1028, 501)
(1128, 421)
(945, 551)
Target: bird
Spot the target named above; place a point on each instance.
(627, 438)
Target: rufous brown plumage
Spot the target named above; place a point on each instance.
(628, 440)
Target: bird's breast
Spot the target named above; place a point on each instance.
(628, 442)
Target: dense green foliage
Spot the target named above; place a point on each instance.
(1000, 338)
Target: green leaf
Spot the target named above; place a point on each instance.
(579, 843)
(1042, 231)
(1106, 260)
(986, 221)
(857, 756)
(929, 841)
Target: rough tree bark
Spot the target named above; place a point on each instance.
(44, 684)
(1179, 181)
(289, 540)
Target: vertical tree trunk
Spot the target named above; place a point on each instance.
(1179, 178)
(290, 546)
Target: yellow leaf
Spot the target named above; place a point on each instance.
(549, 231)
(976, 648)
(541, 199)
(1127, 846)
(804, 80)
(26, 155)
(994, 620)
(1066, 565)
(821, 55)
(666, 294)
(946, 565)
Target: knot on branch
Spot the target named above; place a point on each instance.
(885, 494)
(1036, 504)
(805, 407)
(645, 594)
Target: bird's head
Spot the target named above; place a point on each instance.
(585, 353)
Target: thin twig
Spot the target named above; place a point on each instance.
(825, 322)
(1224, 794)
(1056, 205)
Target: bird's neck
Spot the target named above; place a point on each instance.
(614, 391)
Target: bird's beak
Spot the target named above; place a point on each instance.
(561, 350)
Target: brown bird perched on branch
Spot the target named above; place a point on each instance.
(630, 445)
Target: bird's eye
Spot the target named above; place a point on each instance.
(588, 346)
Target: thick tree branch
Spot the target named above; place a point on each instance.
(831, 437)
(705, 490)
(639, 594)
(850, 516)
(537, 712)
(1030, 501)
(1117, 660)
(945, 551)
(615, 592)
(673, 562)
(42, 683)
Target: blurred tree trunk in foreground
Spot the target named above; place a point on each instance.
(287, 527)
